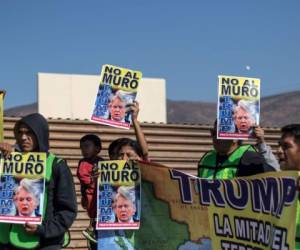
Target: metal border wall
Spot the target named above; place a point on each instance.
(178, 146)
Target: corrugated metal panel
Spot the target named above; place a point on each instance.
(174, 145)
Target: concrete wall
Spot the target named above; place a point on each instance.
(73, 96)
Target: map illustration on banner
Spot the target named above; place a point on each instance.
(238, 107)
(117, 91)
(119, 192)
(22, 185)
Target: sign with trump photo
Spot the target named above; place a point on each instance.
(22, 185)
(238, 107)
(117, 92)
(118, 196)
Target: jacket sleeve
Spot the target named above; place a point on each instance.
(61, 209)
(269, 157)
(251, 163)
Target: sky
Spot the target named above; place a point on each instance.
(188, 43)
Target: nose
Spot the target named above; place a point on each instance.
(24, 202)
(23, 136)
(125, 157)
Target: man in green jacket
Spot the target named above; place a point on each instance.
(32, 135)
(230, 159)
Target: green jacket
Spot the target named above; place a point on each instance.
(208, 168)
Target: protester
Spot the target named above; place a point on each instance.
(243, 115)
(27, 197)
(117, 107)
(281, 157)
(124, 149)
(90, 146)
(124, 204)
(32, 135)
(264, 149)
(230, 159)
(290, 143)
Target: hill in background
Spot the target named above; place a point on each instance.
(22, 110)
(276, 111)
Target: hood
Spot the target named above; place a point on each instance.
(40, 128)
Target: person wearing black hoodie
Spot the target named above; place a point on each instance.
(32, 135)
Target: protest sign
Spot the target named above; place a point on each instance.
(117, 91)
(238, 107)
(22, 185)
(180, 211)
(118, 195)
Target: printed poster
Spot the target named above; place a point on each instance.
(119, 199)
(238, 107)
(22, 186)
(184, 212)
(117, 91)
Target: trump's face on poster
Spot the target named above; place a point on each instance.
(124, 209)
(117, 109)
(243, 120)
(25, 203)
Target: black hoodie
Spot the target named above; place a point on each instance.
(39, 125)
(61, 207)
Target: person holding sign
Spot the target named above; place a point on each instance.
(126, 148)
(32, 135)
(27, 198)
(230, 159)
(124, 204)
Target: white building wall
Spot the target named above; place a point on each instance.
(73, 96)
